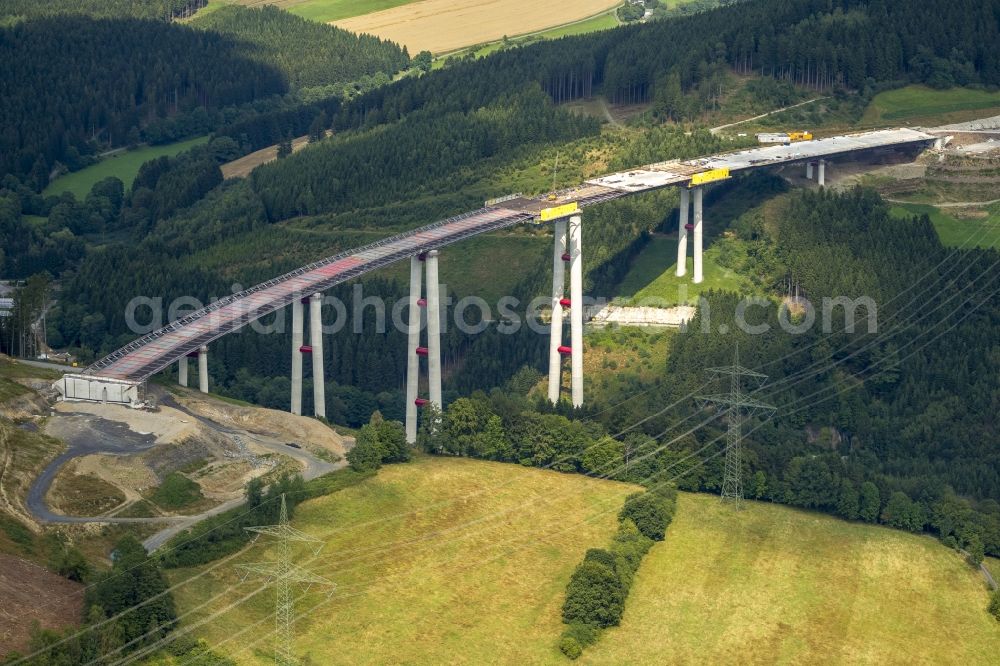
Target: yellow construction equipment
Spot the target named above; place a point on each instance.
(800, 136)
(554, 213)
(709, 176)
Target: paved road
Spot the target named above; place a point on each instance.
(85, 434)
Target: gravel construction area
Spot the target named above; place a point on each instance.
(84, 434)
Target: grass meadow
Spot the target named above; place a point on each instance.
(772, 584)
(457, 561)
(124, 165)
(652, 279)
(436, 561)
(922, 105)
(982, 231)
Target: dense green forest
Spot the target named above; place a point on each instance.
(64, 98)
(164, 10)
(311, 54)
(820, 43)
(121, 81)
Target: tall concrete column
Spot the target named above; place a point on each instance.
(412, 359)
(698, 234)
(822, 173)
(182, 371)
(682, 233)
(433, 329)
(316, 342)
(556, 327)
(203, 369)
(297, 326)
(576, 306)
(809, 170)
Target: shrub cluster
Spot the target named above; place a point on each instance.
(595, 596)
(378, 442)
(994, 606)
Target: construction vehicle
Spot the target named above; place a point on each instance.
(784, 137)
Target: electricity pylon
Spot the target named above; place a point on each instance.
(739, 404)
(283, 573)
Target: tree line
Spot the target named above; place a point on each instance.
(599, 587)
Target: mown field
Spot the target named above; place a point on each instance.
(652, 279)
(124, 165)
(465, 562)
(318, 10)
(594, 23)
(440, 26)
(923, 105)
(774, 584)
(437, 561)
(982, 230)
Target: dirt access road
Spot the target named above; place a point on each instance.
(86, 433)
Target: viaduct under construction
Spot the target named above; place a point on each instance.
(119, 377)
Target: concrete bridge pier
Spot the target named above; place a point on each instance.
(821, 175)
(433, 329)
(203, 369)
(698, 234)
(809, 170)
(682, 233)
(297, 333)
(432, 303)
(413, 342)
(182, 371)
(316, 342)
(559, 257)
(576, 307)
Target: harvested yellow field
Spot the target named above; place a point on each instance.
(440, 26)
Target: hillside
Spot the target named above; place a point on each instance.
(458, 560)
(311, 54)
(779, 585)
(416, 586)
